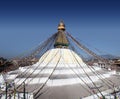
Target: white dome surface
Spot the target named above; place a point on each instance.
(62, 74)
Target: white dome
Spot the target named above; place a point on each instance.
(62, 74)
(67, 56)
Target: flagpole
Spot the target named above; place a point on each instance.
(24, 90)
(6, 90)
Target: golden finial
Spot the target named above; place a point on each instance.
(61, 39)
(61, 25)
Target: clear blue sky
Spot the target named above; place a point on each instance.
(25, 23)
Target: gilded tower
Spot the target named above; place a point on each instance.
(61, 39)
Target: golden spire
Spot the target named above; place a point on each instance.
(61, 26)
(61, 39)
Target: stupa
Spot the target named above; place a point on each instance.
(61, 73)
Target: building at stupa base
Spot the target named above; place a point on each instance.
(61, 73)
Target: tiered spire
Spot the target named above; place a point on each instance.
(61, 39)
(61, 26)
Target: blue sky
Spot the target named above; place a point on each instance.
(25, 23)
